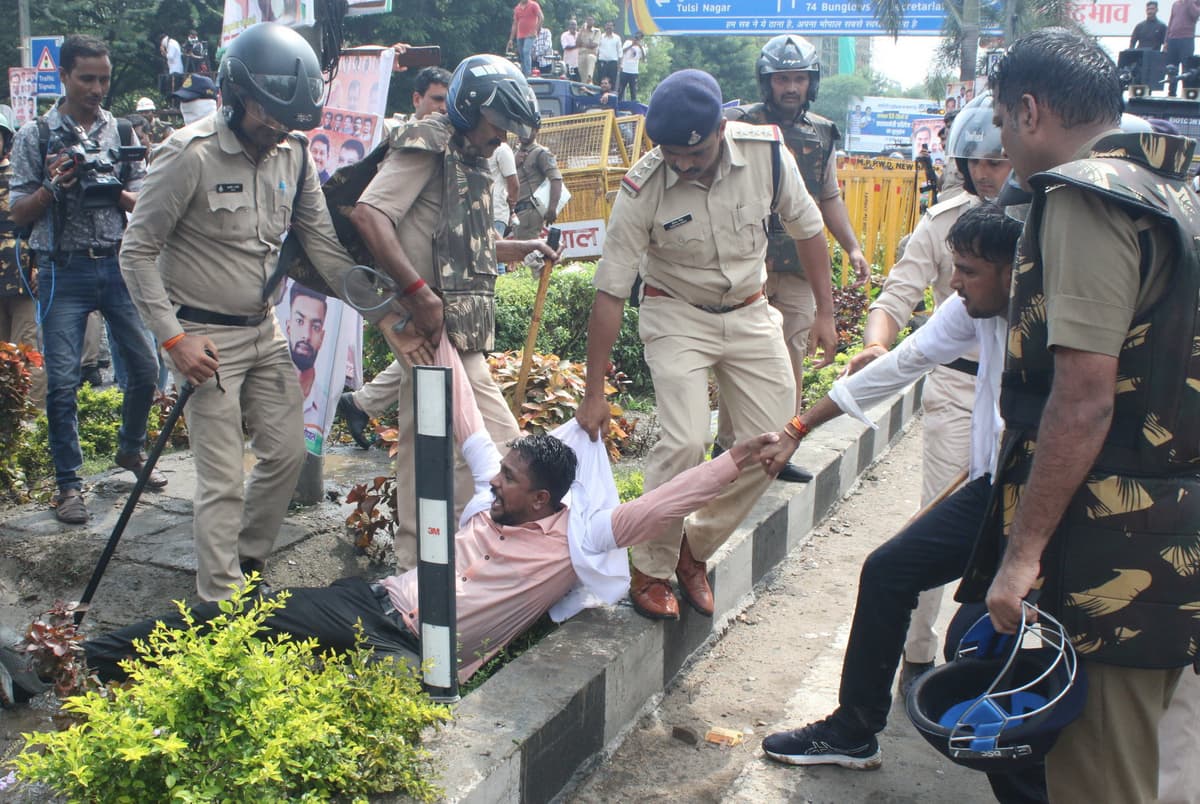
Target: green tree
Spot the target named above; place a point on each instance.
(730, 59)
(837, 93)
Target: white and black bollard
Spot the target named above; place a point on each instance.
(434, 473)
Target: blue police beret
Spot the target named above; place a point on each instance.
(684, 109)
(195, 87)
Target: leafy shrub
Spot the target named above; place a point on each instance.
(16, 410)
(217, 714)
(629, 484)
(565, 313)
(552, 394)
(164, 402)
(373, 522)
(817, 382)
(377, 355)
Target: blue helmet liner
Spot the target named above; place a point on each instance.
(1000, 704)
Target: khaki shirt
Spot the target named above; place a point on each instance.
(703, 245)
(209, 222)
(588, 40)
(408, 189)
(927, 262)
(1093, 284)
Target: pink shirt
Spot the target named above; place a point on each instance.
(1182, 23)
(508, 576)
(526, 19)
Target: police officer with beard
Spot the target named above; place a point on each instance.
(426, 218)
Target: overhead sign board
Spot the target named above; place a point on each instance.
(770, 17)
(43, 50)
(878, 125)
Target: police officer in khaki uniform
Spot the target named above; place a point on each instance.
(198, 257)
(692, 214)
(426, 218)
(949, 396)
(789, 75)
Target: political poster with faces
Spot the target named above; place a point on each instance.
(241, 14)
(324, 335)
(22, 90)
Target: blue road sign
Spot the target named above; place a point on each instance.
(43, 51)
(770, 17)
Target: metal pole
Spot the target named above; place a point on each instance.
(24, 32)
(433, 454)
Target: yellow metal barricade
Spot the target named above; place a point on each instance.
(884, 203)
(594, 149)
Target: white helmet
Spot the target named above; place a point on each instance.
(145, 105)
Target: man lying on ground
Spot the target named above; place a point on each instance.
(518, 552)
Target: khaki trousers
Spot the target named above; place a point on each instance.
(744, 349)
(237, 521)
(587, 66)
(947, 400)
(1111, 752)
(381, 393)
(501, 426)
(18, 324)
(792, 296)
(1179, 744)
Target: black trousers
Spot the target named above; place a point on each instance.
(628, 81)
(328, 613)
(608, 68)
(930, 552)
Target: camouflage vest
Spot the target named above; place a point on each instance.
(462, 246)
(1122, 571)
(10, 277)
(812, 139)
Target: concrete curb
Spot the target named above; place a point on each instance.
(597, 672)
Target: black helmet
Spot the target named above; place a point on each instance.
(1000, 703)
(272, 64)
(786, 53)
(973, 135)
(495, 88)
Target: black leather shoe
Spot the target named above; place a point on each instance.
(794, 474)
(356, 420)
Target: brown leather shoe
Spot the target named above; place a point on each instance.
(652, 597)
(693, 581)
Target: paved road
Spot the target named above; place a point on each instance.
(778, 666)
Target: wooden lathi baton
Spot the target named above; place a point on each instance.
(534, 324)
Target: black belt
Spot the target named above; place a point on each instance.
(965, 366)
(523, 205)
(198, 316)
(91, 253)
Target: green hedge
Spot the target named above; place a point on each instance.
(564, 320)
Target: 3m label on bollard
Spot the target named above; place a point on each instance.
(433, 454)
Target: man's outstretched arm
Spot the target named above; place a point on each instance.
(644, 518)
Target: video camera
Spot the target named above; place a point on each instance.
(97, 184)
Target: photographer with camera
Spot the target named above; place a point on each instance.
(75, 175)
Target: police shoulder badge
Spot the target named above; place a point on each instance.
(637, 175)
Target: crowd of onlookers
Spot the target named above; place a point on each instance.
(586, 52)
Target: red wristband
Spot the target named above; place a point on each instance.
(413, 288)
(172, 342)
(800, 426)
